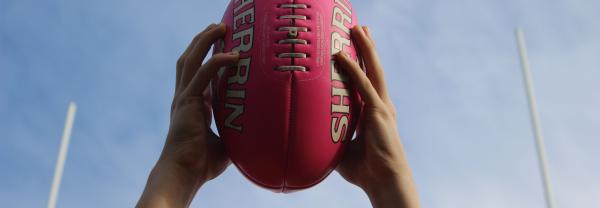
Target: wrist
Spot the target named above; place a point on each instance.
(176, 173)
(383, 195)
(170, 185)
(396, 190)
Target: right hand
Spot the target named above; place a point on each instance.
(375, 160)
(192, 154)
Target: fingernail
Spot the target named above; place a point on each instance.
(219, 25)
(209, 28)
(342, 53)
(234, 53)
(366, 29)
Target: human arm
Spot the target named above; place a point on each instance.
(375, 161)
(192, 153)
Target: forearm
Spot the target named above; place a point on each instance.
(168, 187)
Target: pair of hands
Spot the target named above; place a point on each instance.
(193, 154)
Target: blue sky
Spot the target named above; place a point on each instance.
(452, 69)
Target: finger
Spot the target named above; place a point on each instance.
(372, 62)
(359, 78)
(219, 146)
(219, 153)
(368, 33)
(198, 53)
(207, 97)
(207, 71)
(184, 55)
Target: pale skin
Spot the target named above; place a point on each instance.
(192, 154)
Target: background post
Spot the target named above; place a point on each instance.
(535, 120)
(62, 155)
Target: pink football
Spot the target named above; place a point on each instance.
(286, 112)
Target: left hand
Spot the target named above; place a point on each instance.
(192, 153)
